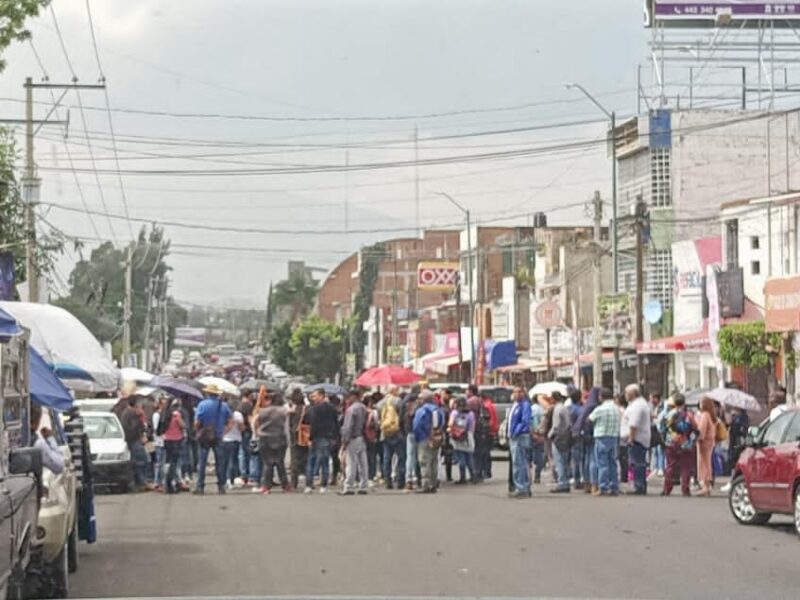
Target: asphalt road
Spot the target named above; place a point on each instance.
(464, 541)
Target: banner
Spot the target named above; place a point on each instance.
(714, 321)
(782, 303)
(614, 312)
(190, 337)
(706, 13)
(7, 276)
(437, 276)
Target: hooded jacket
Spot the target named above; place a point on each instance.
(583, 427)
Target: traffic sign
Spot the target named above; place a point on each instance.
(548, 314)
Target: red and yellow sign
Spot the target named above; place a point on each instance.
(437, 276)
(782, 303)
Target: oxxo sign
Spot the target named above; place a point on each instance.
(437, 276)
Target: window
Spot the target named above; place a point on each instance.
(774, 433)
(508, 261)
(661, 187)
(755, 243)
(792, 433)
(755, 267)
(732, 242)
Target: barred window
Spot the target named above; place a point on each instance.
(660, 183)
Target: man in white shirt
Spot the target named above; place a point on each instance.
(231, 441)
(777, 403)
(637, 420)
(52, 458)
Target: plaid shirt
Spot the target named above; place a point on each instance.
(606, 419)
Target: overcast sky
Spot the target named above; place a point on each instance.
(310, 60)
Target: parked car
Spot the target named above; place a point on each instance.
(111, 459)
(766, 478)
(96, 404)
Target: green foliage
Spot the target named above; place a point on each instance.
(297, 293)
(750, 345)
(280, 350)
(371, 257)
(317, 348)
(13, 14)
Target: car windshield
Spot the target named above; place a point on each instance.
(102, 427)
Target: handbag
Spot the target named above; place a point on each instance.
(303, 431)
(721, 434)
(207, 438)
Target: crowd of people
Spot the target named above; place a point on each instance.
(403, 439)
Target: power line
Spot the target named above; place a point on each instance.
(108, 113)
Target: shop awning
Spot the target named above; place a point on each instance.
(442, 366)
(500, 353)
(692, 342)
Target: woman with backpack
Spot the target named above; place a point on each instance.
(679, 434)
(462, 436)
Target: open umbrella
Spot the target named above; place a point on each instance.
(45, 387)
(734, 398)
(226, 386)
(136, 375)
(387, 375)
(176, 387)
(255, 385)
(329, 389)
(548, 388)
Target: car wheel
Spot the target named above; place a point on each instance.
(59, 574)
(73, 559)
(741, 507)
(797, 510)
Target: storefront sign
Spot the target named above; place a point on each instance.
(782, 303)
(614, 314)
(436, 276)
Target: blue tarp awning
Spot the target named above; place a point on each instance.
(500, 353)
(9, 326)
(45, 387)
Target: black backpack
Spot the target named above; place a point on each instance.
(483, 426)
(163, 422)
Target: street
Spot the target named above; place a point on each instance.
(469, 541)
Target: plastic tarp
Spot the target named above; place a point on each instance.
(8, 325)
(500, 353)
(64, 342)
(45, 387)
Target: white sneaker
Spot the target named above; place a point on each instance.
(323, 490)
(256, 490)
(725, 488)
(308, 490)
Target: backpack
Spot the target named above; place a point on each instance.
(483, 426)
(459, 428)
(371, 428)
(437, 429)
(390, 419)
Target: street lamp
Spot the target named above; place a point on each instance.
(469, 269)
(614, 238)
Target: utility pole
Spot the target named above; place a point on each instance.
(597, 365)
(640, 222)
(394, 307)
(126, 310)
(416, 179)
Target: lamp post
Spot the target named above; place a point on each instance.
(469, 269)
(612, 116)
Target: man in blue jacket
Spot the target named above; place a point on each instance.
(212, 419)
(428, 435)
(584, 429)
(519, 436)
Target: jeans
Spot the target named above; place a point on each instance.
(172, 453)
(622, 456)
(638, 458)
(244, 456)
(605, 452)
(394, 446)
(255, 468)
(356, 469)
(465, 463)
(230, 454)
(429, 465)
(561, 460)
(319, 457)
(140, 462)
(186, 459)
(158, 466)
(299, 460)
(537, 458)
(273, 459)
(576, 458)
(589, 462)
(483, 458)
(411, 459)
(659, 458)
(219, 457)
(372, 460)
(520, 463)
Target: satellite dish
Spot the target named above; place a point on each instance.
(653, 311)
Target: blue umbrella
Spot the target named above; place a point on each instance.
(45, 388)
(330, 389)
(176, 387)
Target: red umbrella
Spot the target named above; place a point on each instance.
(387, 375)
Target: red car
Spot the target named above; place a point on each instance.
(766, 479)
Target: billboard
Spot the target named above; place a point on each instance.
(190, 337)
(690, 258)
(615, 313)
(710, 13)
(782, 303)
(437, 276)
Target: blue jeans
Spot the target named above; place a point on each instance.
(605, 452)
(219, 459)
(537, 458)
(319, 458)
(520, 452)
(230, 456)
(638, 457)
(576, 458)
(411, 458)
(158, 468)
(659, 458)
(244, 456)
(465, 461)
(589, 462)
(561, 460)
(186, 459)
(394, 446)
(140, 461)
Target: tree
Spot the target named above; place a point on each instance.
(280, 348)
(297, 294)
(317, 348)
(750, 345)
(13, 14)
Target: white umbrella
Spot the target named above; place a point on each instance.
(547, 389)
(734, 398)
(226, 386)
(136, 375)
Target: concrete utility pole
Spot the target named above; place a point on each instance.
(126, 310)
(597, 364)
(640, 222)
